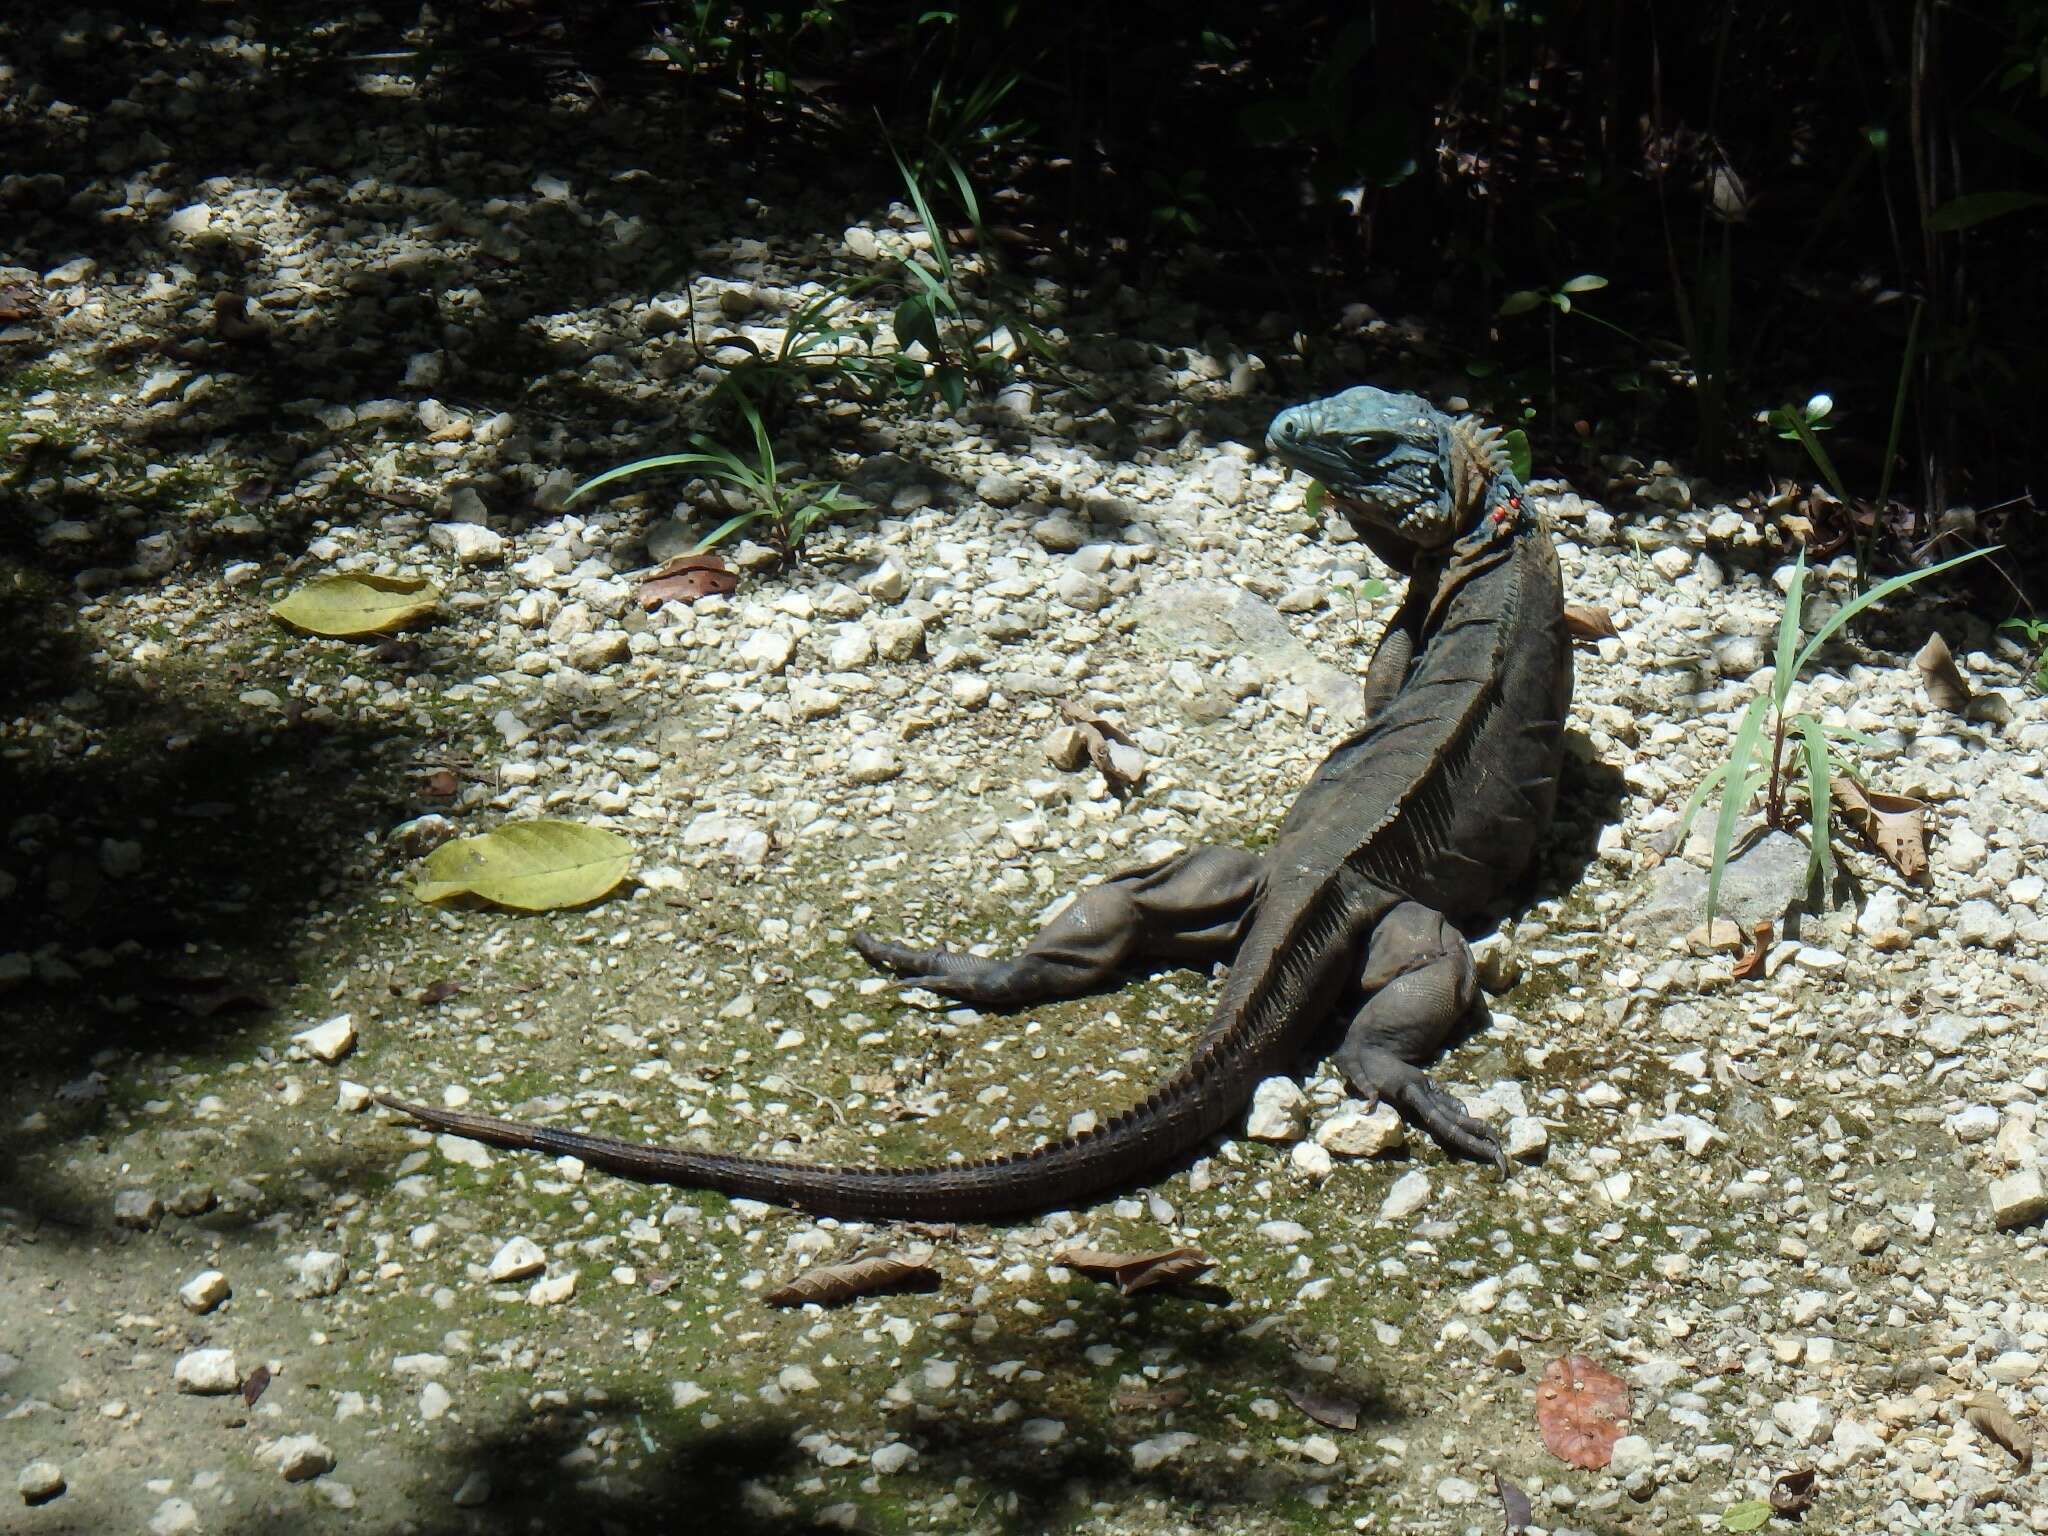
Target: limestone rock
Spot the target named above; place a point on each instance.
(1278, 1112)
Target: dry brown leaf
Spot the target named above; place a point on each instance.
(1988, 1414)
(687, 578)
(1134, 1272)
(1751, 961)
(1337, 1412)
(1119, 760)
(254, 1384)
(1894, 825)
(830, 1284)
(1587, 621)
(1514, 1507)
(1793, 1493)
(1582, 1409)
(1945, 686)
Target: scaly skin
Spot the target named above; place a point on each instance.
(1428, 812)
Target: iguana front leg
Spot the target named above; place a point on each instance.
(1194, 906)
(1393, 657)
(1421, 987)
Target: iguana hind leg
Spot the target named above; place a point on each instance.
(1194, 906)
(1421, 987)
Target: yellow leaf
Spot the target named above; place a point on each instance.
(534, 866)
(358, 604)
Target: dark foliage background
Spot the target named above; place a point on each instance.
(1783, 199)
(1752, 204)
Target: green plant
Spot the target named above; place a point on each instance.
(791, 507)
(1364, 591)
(759, 47)
(1558, 301)
(812, 351)
(2035, 633)
(1806, 423)
(1741, 775)
(967, 337)
(1182, 207)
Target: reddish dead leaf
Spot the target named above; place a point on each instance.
(1582, 1409)
(1793, 1493)
(253, 1385)
(1894, 825)
(1337, 1412)
(439, 992)
(1514, 1507)
(1585, 621)
(1987, 1413)
(1751, 962)
(687, 578)
(1134, 1272)
(830, 1284)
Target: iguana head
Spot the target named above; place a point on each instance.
(1395, 464)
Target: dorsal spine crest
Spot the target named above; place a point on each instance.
(1479, 455)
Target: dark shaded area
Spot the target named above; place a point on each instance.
(590, 1466)
(1770, 197)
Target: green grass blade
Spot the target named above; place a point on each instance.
(736, 469)
(1796, 416)
(1891, 442)
(967, 197)
(1818, 764)
(719, 464)
(1882, 590)
(1693, 803)
(726, 529)
(938, 290)
(940, 254)
(1742, 782)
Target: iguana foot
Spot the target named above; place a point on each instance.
(1379, 1074)
(973, 979)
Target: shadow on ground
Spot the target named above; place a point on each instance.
(631, 1464)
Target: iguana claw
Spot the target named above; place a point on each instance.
(1378, 1074)
(969, 979)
